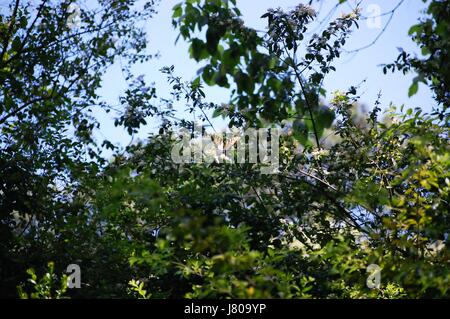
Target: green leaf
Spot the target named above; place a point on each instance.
(208, 75)
(177, 11)
(213, 36)
(413, 88)
(16, 44)
(217, 112)
(198, 50)
(23, 22)
(415, 29)
(244, 82)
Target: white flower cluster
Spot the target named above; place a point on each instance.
(352, 15)
(318, 153)
(303, 10)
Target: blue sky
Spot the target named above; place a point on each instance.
(351, 68)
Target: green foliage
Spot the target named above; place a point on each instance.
(137, 288)
(50, 74)
(45, 288)
(432, 36)
(269, 73)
